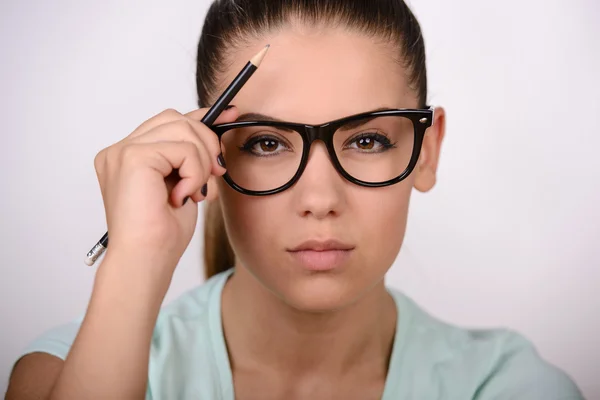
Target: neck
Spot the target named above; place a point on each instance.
(263, 332)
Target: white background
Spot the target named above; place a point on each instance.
(510, 236)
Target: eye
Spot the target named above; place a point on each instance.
(369, 142)
(264, 146)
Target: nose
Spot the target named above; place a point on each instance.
(320, 191)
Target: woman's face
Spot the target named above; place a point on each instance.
(313, 78)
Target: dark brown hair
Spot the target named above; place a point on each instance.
(230, 22)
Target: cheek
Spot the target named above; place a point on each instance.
(252, 223)
(384, 221)
(374, 218)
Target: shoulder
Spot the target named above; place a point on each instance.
(482, 363)
(55, 341)
(187, 354)
(189, 310)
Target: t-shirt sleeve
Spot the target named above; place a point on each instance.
(521, 374)
(56, 341)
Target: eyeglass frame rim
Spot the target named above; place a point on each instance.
(422, 118)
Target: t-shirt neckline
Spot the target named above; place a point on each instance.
(221, 357)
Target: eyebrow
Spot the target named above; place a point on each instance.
(262, 117)
(355, 124)
(257, 117)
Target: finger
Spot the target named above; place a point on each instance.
(205, 159)
(99, 165)
(212, 140)
(198, 196)
(165, 157)
(182, 130)
(230, 114)
(191, 182)
(212, 143)
(164, 117)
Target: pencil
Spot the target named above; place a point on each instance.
(209, 119)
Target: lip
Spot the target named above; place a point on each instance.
(322, 245)
(320, 256)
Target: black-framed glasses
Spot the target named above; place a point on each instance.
(372, 149)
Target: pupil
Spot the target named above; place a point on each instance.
(268, 145)
(366, 143)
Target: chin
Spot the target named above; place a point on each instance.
(319, 293)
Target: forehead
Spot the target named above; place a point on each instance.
(321, 76)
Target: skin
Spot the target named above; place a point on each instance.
(333, 329)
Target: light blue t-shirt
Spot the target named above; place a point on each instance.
(430, 359)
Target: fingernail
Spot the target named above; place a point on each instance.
(185, 200)
(204, 190)
(221, 160)
(229, 107)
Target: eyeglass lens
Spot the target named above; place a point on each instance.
(373, 150)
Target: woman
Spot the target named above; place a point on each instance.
(310, 227)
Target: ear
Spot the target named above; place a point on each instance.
(426, 169)
(213, 188)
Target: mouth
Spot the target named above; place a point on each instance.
(320, 256)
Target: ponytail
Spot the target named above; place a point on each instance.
(218, 254)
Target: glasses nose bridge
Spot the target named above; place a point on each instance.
(323, 133)
(318, 132)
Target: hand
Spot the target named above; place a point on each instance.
(148, 220)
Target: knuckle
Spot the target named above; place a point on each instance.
(204, 135)
(128, 154)
(99, 160)
(191, 149)
(209, 136)
(213, 142)
(110, 154)
(194, 154)
(170, 113)
(185, 128)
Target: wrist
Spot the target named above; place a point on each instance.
(131, 283)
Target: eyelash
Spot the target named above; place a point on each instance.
(385, 142)
(247, 147)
